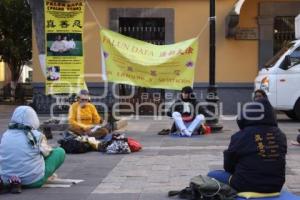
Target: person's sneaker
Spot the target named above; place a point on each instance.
(186, 132)
(164, 132)
(15, 185)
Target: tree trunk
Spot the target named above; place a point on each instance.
(13, 85)
(38, 17)
(15, 71)
(37, 9)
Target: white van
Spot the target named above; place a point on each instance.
(280, 79)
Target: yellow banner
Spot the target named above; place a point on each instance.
(64, 46)
(134, 62)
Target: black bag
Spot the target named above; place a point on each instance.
(71, 145)
(206, 188)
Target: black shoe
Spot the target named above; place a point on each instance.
(15, 185)
(164, 132)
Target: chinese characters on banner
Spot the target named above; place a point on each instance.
(64, 47)
(134, 62)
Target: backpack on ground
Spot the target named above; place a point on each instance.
(205, 188)
(134, 145)
(72, 144)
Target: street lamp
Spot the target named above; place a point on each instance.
(212, 96)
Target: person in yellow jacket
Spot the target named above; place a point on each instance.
(84, 118)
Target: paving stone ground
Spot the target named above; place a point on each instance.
(166, 163)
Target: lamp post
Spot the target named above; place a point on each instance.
(212, 96)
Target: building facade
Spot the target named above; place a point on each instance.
(249, 32)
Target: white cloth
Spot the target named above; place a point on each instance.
(58, 46)
(65, 43)
(186, 107)
(71, 44)
(27, 116)
(189, 126)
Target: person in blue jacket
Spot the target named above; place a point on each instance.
(25, 158)
(256, 157)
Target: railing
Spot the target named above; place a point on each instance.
(284, 31)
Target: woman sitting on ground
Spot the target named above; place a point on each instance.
(255, 159)
(187, 114)
(259, 95)
(84, 118)
(25, 157)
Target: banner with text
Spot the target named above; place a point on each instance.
(64, 46)
(135, 62)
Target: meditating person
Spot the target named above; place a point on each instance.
(84, 118)
(71, 44)
(256, 157)
(25, 157)
(259, 94)
(187, 114)
(58, 46)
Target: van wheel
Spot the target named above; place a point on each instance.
(297, 109)
(291, 114)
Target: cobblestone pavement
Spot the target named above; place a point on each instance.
(166, 163)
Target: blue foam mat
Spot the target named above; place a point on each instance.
(283, 196)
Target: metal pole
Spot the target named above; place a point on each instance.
(212, 44)
(212, 96)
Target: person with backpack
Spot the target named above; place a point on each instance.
(188, 115)
(25, 158)
(256, 157)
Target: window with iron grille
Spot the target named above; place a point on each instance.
(284, 31)
(148, 29)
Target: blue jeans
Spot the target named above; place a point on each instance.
(220, 175)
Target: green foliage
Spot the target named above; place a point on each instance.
(15, 35)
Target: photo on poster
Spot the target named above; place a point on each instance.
(64, 44)
(53, 73)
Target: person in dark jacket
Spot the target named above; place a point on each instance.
(270, 116)
(255, 159)
(188, 115)
(259, 94)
